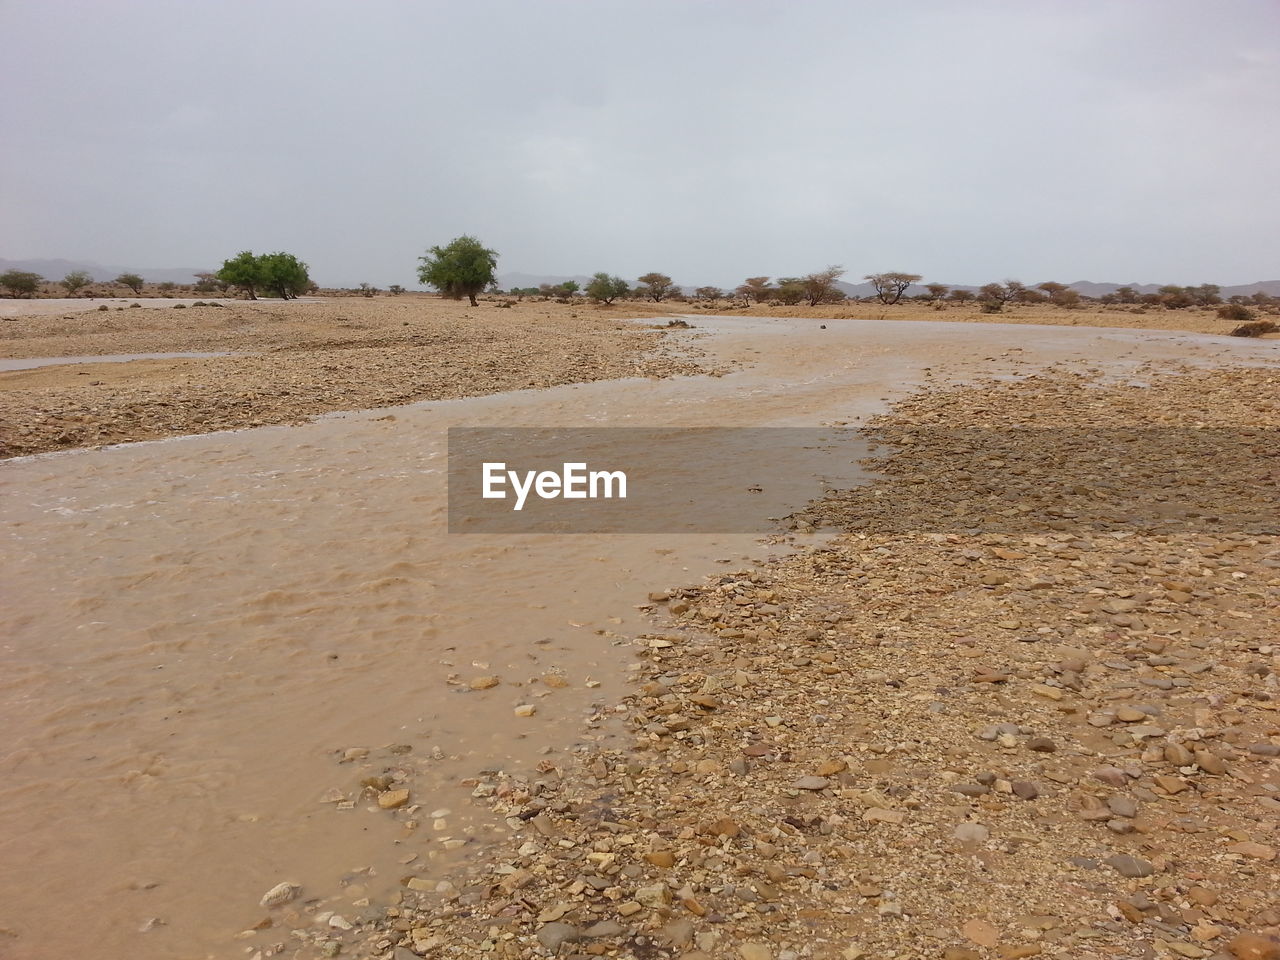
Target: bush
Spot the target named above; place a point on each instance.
(1236, 312)
(1255, 328)
(992, 306)
(103, 307)
(179, 306)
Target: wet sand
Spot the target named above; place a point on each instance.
(200, 631)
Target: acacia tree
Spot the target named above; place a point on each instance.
(708, 293)
(756, 288)
(132, 281)
(284, 274)
(961, 296)
(656, 287)
(241, 272)
(20, 283)
(891, 286)
(76, 280)
(936, 291)
(461, 269)
(605, 289)
(820, 287)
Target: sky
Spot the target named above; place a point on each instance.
(967, 142)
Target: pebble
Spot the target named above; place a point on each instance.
(280, 894)
(1130, 866)
(525, 710)
(393, 799)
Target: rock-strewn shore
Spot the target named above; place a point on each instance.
(1024, 703)
(296, 361)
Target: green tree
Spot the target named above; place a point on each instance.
(20, 283)
(283, 274)
(708, 293)
(936, 291)
(395, 289)
(241, 272)
(656, 287)
(891, 286)
(461, 269)
(605, 289)
(1126, 294)
(568, 288)
(76, 280)
(132, 281)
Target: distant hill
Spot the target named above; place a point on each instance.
(57, 269)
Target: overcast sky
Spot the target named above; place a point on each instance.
(965, 141)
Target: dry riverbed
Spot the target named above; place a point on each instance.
(1024, 703)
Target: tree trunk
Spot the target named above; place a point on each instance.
(472, 296)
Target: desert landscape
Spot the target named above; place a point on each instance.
(641, 481)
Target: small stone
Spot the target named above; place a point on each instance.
(811, 783)
(484, 683)
(980, 932)
(1049, 693)
(1041, 745)
(960, 953)
(1025, 789)
(880, 815)
(1170, 784)
(661, 858)
(393, 799)
(280, 894)
(1257, 851)
(1123, 806)
(525, 710)
(552, 935)
(1128, 866)
(972, 833)
(605, 928)
(655, 895)
(832, 767)
(755, 951)
(1253, 946)
(1130, 715)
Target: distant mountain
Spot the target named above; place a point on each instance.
(57, 269)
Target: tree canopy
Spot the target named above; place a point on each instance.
(605, 289)
(891, 286)
(131, 280)
(280, 273)
(656, 287)
(20, 283)
(463, 268)
(820, 287)
(76, 280)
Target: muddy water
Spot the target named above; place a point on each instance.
(195, 631)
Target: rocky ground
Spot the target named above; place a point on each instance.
(297, 360)
(1022, 703)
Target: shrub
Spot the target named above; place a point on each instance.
(992, 306)
(1255, 328)
(103, 306)
(1235, 312)
(179, 306)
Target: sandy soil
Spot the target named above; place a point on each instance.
(296, 360)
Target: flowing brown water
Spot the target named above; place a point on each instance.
(196, 630)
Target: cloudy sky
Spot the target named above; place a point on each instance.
(1059, 139)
